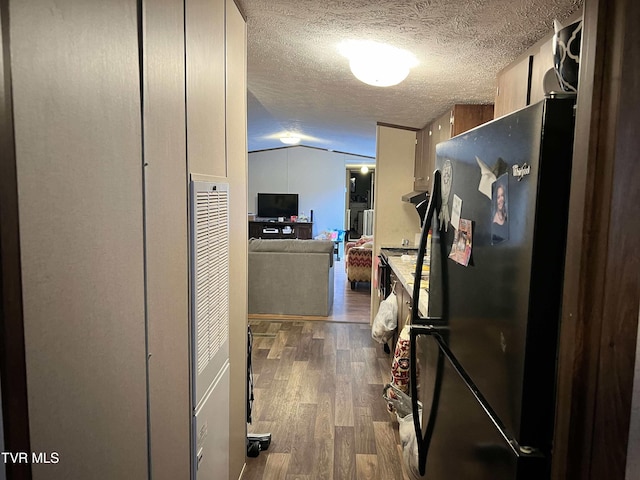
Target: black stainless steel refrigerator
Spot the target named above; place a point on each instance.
(484, 359)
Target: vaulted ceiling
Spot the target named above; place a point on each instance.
(299, 82)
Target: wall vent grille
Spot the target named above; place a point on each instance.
(211, 270)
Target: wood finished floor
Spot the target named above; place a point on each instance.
(348, 305)
(318, 390)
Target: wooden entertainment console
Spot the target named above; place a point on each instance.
(270, 229)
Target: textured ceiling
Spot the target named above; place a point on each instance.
(298, 81)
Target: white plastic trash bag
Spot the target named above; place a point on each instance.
(409, 443)
(386, 320)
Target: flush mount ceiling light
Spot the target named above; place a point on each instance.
(289, 139)
(377, 64)
(364, 169)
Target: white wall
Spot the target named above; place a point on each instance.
(394, 219)
(318, 176)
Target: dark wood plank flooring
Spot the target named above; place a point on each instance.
(348, 305)
(318, 390)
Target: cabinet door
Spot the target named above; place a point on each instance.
(404, 307)
(466, 117)
(423, 166)
(542, 61)
(441, 130)
(255, 230)
(513, 87)
(303, 232)
(405, 317)
(205, 68)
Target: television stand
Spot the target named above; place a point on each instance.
(271, 229)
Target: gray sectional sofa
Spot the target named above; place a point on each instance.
(290, 277)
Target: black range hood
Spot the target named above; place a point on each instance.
(420, 200)
(415, 197)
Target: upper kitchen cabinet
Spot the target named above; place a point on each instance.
(454, 121)
(542, 62)
(514, 84)
(521, 83)
(466, 117)
(421, 175)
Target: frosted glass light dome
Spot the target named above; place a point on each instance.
(290, 139)
(377, 64)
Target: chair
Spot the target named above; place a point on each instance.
(337, 236)
(359, 260)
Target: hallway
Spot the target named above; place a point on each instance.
(318, 390)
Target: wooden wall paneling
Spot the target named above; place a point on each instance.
(166, 239)
(77, 124)
(237, 161)
(621, 283)
(13, 373)
(601, 294)
(513, 87)
(576, 364)
(633, 460)
(205, 39)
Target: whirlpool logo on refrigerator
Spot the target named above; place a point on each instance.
(521, 171)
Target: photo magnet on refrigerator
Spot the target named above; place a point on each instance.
(500, 210)
(462, 243)
(456, 211)
(446, 180)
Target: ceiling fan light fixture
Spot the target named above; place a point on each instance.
(377, 64)
(289, 139)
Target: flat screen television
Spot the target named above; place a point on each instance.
(274, 205)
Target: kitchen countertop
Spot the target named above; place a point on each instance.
(404, 271)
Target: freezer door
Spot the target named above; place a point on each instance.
(464, 442)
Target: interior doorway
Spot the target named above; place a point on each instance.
(360, 181)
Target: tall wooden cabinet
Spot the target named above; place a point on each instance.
(458, 119)
(109, 113)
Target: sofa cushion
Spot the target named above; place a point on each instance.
(290, 245)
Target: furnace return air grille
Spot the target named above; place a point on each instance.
(211, 269)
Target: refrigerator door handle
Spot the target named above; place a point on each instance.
(435, 203)
(425, 326)
(424, 440)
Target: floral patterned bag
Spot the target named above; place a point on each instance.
(400, 364)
